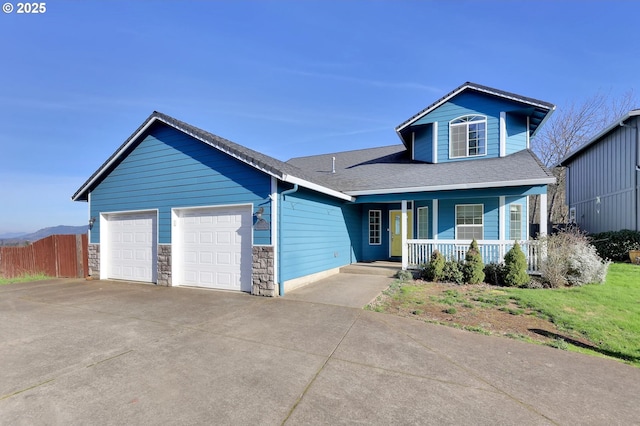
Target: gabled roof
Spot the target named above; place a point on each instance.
(541, 109)
(389, 169)
(279, 169)
(596, 138)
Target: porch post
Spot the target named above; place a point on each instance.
(404, 229)
(434, 228)
(543, 214)
(502, 218)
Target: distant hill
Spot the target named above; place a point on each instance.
(44, 233)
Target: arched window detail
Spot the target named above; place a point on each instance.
(468, 136)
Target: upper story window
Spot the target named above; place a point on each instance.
(468, 136)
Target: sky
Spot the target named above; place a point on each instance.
(286, 78)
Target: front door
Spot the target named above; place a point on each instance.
(395, 230)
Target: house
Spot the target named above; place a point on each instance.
(602, 178)
(176, 205)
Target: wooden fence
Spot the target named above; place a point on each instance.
(55, 256)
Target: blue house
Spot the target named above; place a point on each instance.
(176, 205)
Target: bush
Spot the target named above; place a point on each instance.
(433, 271)
(515, 265)
(452, 272)
(473, 268)
(616, 245)
(404, 275)
(494, 273)
(572, 261)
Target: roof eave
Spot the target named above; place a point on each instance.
(478, 185)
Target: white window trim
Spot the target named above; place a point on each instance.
(510, 221)
(456, 219)
(379, 227)
(418, 228)
(468, 120)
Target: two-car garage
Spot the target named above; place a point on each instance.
(210, 246)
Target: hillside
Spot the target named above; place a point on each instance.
(43, 233)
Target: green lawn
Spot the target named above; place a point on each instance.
(24, 278)
(608, 315)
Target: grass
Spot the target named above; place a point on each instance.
(24, 278)
(607, 315)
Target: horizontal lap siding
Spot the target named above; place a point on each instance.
(516, 133)
(423, 143)
(317, 233)
(170, 169)
(470, 103)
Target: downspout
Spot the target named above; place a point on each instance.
(281, 204)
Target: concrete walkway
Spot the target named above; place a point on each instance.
(78, 352)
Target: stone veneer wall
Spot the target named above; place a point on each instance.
(164, 264)
(94, 260)
(262, 276)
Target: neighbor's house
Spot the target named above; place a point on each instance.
(603, 179)
(176, 205)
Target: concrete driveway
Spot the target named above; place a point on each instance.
(77, 352)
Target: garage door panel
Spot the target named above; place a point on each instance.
(132, 246)
(214, 257)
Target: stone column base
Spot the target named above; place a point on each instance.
(262, 276)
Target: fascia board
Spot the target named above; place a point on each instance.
(480, 185)
(318, 188)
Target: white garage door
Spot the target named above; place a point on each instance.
(215, 248)
(132, 247)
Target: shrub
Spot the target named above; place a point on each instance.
(515, 265)
(616, 245)
(473, 268)
(494, 273)
(452, 272)
(404, 275)
(433, 271)
(572, 261)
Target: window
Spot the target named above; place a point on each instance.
(423, 223)
(469, 222)
(374, 227)
(515, 222)
(572, 215)
(468, 136)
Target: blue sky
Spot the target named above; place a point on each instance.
(287, 78)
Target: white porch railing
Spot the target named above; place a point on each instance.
(420, 251)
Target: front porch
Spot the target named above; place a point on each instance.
(493, 251)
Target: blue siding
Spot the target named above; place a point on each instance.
(169, 169)
(516, 133)
(423, 144)
(317, 233)
(379, 251)
(447, 216)
(466, 193)
(470, 103)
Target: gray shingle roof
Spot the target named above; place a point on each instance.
(390, 167)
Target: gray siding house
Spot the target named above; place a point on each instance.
(603, 178)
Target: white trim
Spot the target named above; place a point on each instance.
(434, 231)
(434, 142)
(274, 227)
(369, 227)
(466, 120)
(418, 221)
(404, 227)
(543, 214)
(528, 136)
(528, 221)
(89, 218)
(316, 187)
(462, 89)
(455, 220)
(413, 145)
(501, 218)
(503, 133)
(479, 185)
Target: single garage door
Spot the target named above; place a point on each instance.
(215, 247)
(133, 246)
